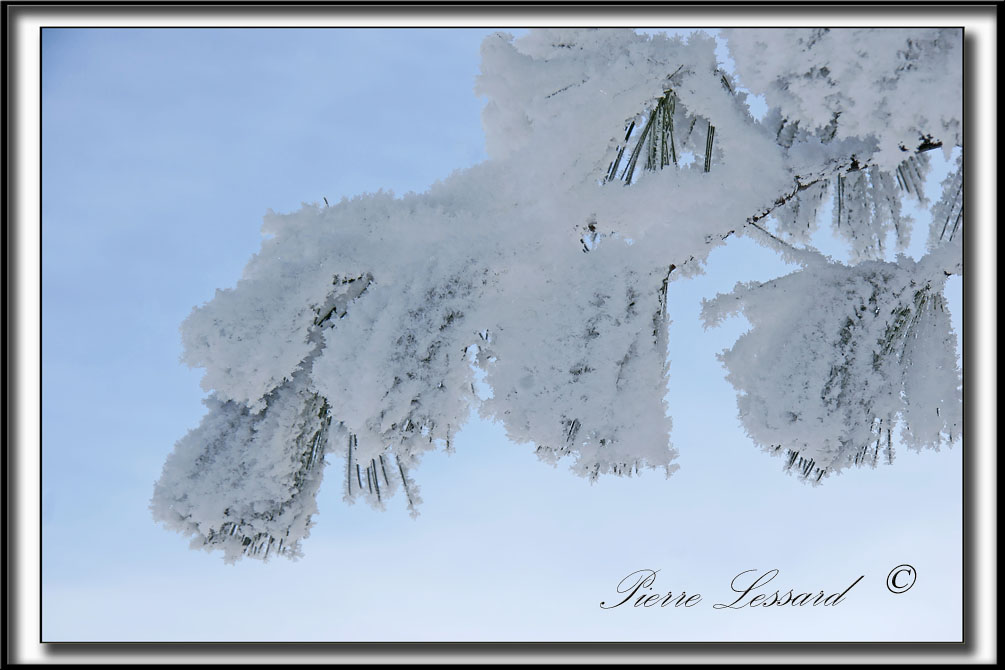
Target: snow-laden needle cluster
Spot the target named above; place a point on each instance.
(617, 163)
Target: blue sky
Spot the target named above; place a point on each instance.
(162, 149)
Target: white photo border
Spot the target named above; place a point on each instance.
(22, 184)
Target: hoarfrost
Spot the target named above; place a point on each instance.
(618, 163)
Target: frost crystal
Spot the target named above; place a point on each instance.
(837, 356)
(618, 163)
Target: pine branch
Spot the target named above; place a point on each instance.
(853, 165)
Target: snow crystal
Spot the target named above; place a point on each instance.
(619, 161)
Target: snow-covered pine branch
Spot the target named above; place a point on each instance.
(618, 162)
(837, 355)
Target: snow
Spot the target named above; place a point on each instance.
(351, 333)
(899, 85)
(837, 356)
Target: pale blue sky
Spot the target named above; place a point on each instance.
(162, 149)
